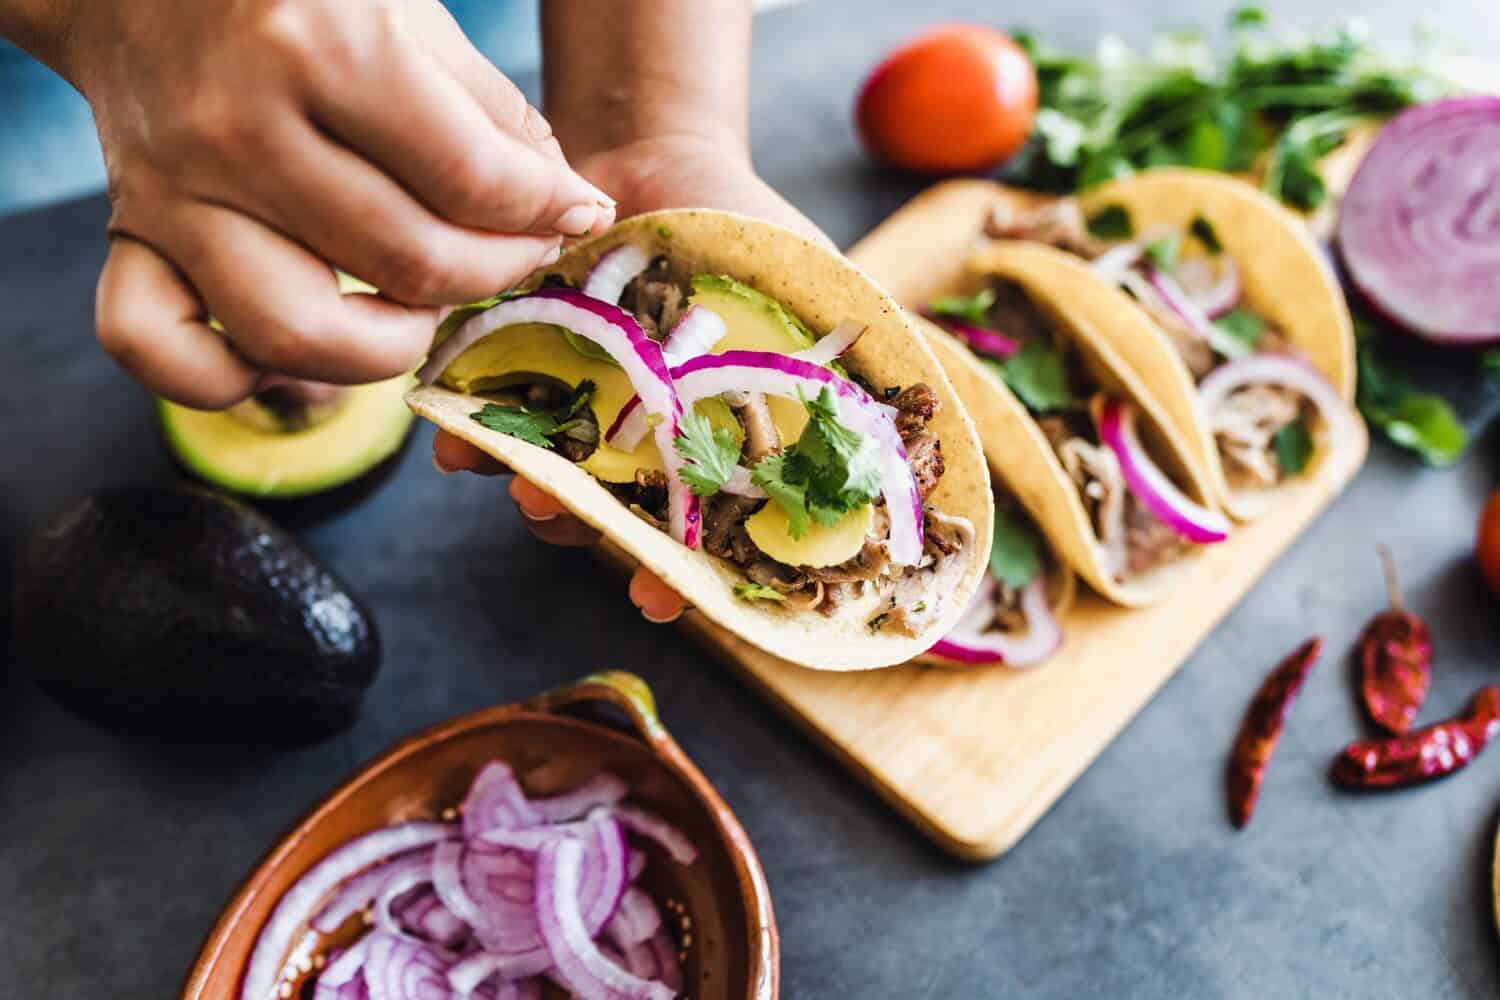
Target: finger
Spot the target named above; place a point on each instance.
(281, 306)
(658, 602)
(151, 322)
(360, 220)
(568, 532)
(461, 166)
(451, 453)
(537, 504)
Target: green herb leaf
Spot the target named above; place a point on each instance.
(711, 453)
(1112, 222)
(665, 232)
(829, 471)
(969, 308)
(1206, 234)
(1162, 253)
(538, 427)
(1247, 17)
(1293, 446)
(757, 592)
(1489, 362)
(1242, 325)
(1017, 552)
(1038, 373)
(1417, 420)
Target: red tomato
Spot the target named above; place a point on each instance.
(956, 99)
(1487, 543)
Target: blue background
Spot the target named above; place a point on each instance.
(48, 149)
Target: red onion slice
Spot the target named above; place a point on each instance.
(1289, 372)
(1181, 305)
(404, 969)
(1419, 229)
(304, 898)
(979, 339)
(793, 378)
(1042, 638)
(613, 270)
(343, 969)
(1117, 260)
(603, 789)
(496, 801)
(1212, 283)
(621, 337)
(696, 332)
(635, 921)
(676, 843)
(981, 610)
(575, 955)
(1150, 485)
(834, 344)
(354, 895)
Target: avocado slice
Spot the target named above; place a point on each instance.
(258, 450)
(182, 612)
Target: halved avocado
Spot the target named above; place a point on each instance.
(256, 452)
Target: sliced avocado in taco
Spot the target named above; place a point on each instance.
(1108, 477)
(1254, 358)
(747, 414)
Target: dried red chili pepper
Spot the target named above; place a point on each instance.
(1261, 728)
(1395, 660)
(1428, 753)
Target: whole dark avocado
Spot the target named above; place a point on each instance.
(183, 613)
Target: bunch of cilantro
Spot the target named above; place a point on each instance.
(1294, 99)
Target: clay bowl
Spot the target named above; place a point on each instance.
(733, 952)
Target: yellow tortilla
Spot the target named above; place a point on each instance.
(1287, 280)
(822, 289)
(1015, 446)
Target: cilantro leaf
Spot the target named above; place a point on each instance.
(1017, 552)
(757, 592)
(829, 471)
(539, 426)
(711, 453)
(1293, 446)
(1038, 373)
(1162, 253)
(1206, 234)
(1247, 17)
(1242, 325)
(1112, 222)
(969, 308)
(1417, 420)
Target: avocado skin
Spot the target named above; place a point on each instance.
(183, 614)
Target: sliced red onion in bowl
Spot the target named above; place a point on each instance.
(358, 893)
(496, 802)
(1042, 638)
(603, 789)
(1289, 372)
(587, 970)
(621, 337)
(305, 897)
(635, 921)
(696, 333)
(794, 378)
(613, 270)
(676, 843)
(1151, 486)
(1419, 228)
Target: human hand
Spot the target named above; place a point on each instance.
(251, 145)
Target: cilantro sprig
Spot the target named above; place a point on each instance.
(828, 472)
(1016, 555)
(1038, 374)
(1420, 421)
(711, 453)
(542, 427)
(969, 308)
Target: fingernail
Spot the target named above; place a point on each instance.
(601, 197)
(577, 220)
(662, 621)
(438, 465)
(534, 518)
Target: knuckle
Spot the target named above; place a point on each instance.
(287, 30)
(118, 336)
(469, 179)
(283, 345)
(211, 122)
(415, 270)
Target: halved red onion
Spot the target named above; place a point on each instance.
(1181, 305)
(833, 344)
(1041, 639)
(651, 826)
(575, 955)
(1289, 372)
(1212, 283)
(613, 270)
(794, 378)
(1150, 485)
(305, 897)
(1419, 229)
(979, 339)
(621, 337)
(603, 789)
(696, 333)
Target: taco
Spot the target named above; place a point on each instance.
(1107, 475)
(1254, 355)
(747, 414)
(1015, 617)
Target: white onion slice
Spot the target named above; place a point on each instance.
(610, 274)
(793, 378)
(1289, 372)
(696, 333)
(1150, 485)
(1042, 638)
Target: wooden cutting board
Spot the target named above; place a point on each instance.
(974, 758)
